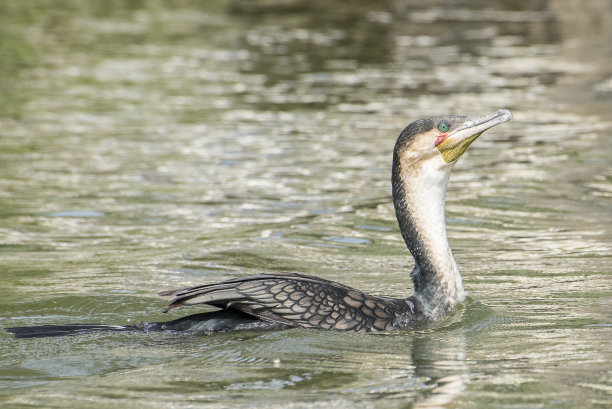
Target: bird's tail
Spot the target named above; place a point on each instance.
(208, 322)
(39, 331)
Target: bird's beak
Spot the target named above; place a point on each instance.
(456, 142)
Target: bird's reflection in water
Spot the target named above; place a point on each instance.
(440, 359)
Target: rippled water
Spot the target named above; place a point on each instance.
(145, 147)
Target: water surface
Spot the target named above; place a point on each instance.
(145, 147)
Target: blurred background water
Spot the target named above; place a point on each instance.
(151, 145)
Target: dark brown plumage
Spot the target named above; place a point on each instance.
(301, 300)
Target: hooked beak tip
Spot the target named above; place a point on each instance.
(504, 115)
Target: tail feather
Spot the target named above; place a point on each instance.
(38, 331)
(208, 322)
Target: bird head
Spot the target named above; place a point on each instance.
(446, 137)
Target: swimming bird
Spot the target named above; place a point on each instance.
(423, 157)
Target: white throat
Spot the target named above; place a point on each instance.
(419, 197)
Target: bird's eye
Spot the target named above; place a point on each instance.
(443, 127)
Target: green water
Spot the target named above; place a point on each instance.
(147, 146)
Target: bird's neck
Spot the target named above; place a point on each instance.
(419, 194)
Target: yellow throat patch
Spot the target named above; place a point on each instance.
(452, 150)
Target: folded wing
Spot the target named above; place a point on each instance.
(300, 301)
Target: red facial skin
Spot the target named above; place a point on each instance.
(441, 138)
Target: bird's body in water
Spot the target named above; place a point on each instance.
(423, 157)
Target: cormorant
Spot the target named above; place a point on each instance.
(423, 157)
